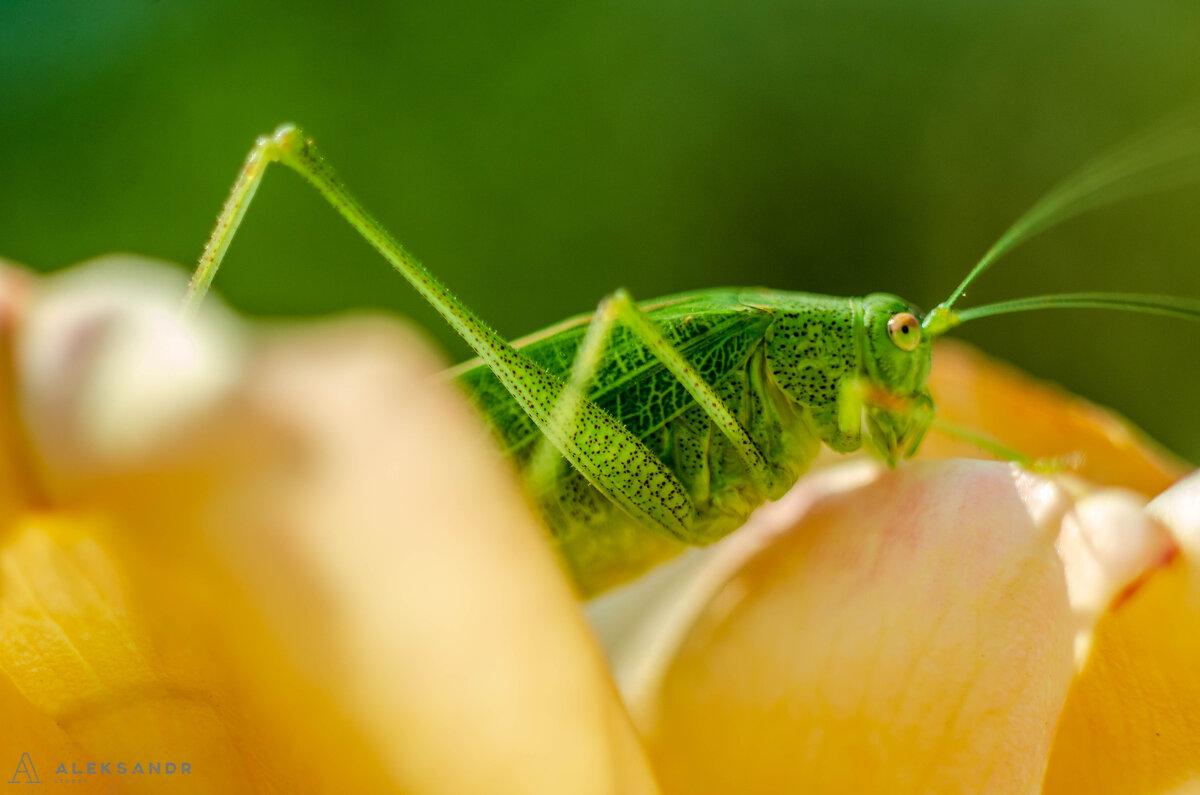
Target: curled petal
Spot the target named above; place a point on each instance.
(1179, 509)
(1108, 544)
(1131, 723)
(111, 368)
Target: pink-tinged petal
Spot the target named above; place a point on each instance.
(909, 635)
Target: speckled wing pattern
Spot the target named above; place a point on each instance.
(714, 330)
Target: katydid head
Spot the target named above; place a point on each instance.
(881, 368)
(895, 364)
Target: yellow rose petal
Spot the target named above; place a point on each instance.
(324, 581)
(1131, 723)
(456, 642)
(1041, 421)
(913, 634)
(80, 653)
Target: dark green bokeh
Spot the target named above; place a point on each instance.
(538, 156)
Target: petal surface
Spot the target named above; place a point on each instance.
(1131, 723)
(909, 635)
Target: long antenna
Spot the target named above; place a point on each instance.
(1164, 156)
(1166, 305)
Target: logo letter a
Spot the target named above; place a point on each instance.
(25, 768)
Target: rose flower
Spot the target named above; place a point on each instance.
(291, 559)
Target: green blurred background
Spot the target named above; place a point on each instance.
(538, 155)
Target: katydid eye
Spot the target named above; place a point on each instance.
(905, 331)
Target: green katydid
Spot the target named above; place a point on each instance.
(680, 416)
